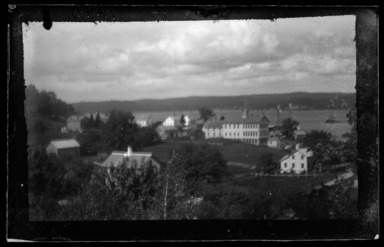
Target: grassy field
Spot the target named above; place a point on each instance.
(232, 151)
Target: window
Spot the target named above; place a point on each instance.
(302, 165)
(293, 165)
(302, 157)
(293, 157)
(285, 165)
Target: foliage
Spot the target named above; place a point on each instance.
(225, 202)
(315, 136)
(90, 141)
(203, 163)
(120, 130)
(147, 136)
(206, 114)
(334, 202)
(182, 120)
(45, 105)
(197, 134)
(267, 163)
(97, 123)
(177, 203)
(52, 179)
(126, 192)
(288, 127)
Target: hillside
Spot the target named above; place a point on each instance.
(300, 100)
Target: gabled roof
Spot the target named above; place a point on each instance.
(65, 143)
(165, 128)
(303, 151)
(116, 158)
(213, 125)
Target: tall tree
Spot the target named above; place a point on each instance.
(315, 136)
(97, 123)
(288, 127)
(182, 120)
(203, 164)
(92, 121)
(206, 114)
(120, 131)
(177, 202)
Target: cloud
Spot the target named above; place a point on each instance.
(172, 59)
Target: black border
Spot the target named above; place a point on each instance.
(18, 225)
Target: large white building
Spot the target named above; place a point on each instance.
(248, 129)
(297, 161)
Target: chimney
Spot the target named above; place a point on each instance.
(298, 146)
(129, 151)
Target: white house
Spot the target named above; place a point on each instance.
(297, 161)
(143, 121)
(247, 129)
(175, 120)
(74, 123)
(274, 142)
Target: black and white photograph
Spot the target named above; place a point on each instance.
(206, 119)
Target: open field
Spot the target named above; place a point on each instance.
(232, 152)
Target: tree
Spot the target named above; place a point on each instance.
(206, 114)
(315, 136)
(97, 123)
(288, 127)
(86, 123)
(197, 134)
(147, 136)
(92, 121)
(120, 131)
(177, 202)
(90, 141)
(203, 164)
(182, 120)
(266, 160)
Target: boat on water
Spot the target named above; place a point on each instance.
(331, 119)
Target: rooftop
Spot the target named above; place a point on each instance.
(117, 157)
(75, 118)
(303, 151)
(67, 143)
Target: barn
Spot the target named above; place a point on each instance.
(64, 147)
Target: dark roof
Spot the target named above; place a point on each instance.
(213, 125)
(165, 128)
(303, 151)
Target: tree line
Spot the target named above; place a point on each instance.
(266, 101)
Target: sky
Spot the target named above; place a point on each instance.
(156, 60)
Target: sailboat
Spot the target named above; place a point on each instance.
(331, 119)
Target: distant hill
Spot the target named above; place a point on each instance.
(299, 100)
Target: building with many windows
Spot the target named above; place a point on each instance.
(248, 129)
